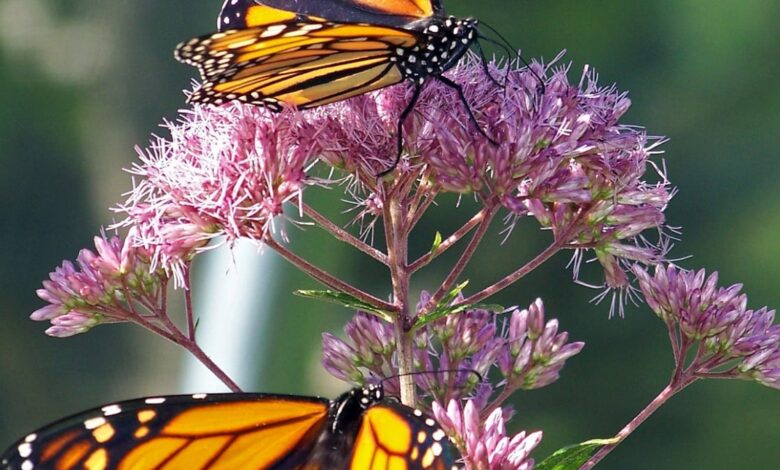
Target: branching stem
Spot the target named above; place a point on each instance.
(341, 234)
(189, 311)
(448, 242)
(668, 392)
(464, 259)
(326, 278)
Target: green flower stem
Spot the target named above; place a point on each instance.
(204, 359)
(518, 274)
(188, 309)
(171, 332)
(421, 201)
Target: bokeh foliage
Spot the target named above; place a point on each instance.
(82, 81)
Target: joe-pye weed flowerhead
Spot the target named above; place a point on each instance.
(560, 158)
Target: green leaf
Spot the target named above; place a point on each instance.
(436, 243)
(451, 295)
(444, 307)
(345, 300)
(441, 313)
(572, 457)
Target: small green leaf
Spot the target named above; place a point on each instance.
(572, 457)
(436, 243)
(443, 312)
(345, 300)
(444, 307)
(451, 295)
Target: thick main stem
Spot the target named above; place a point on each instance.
(396, 234)
(405, 363)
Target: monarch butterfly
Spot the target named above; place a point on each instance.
(313, 52)
(360, 430)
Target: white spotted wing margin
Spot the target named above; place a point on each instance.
(130, 434)
(359, 430)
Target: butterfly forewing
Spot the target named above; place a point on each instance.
(221, 431)
(360, 430)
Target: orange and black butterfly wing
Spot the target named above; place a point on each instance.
(221, 431)
(395, 13)
(395, 437)
(239, 14)
(306, 64)
(380, 12)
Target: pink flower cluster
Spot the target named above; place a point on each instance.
(451, 355)
(97, 288)
(563, 157)
(528, 352)
(485, 445)
(560, 155)
(224, 171)
(736, 341)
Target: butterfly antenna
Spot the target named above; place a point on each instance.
(440, 371)
(508, 51)
(542, 86)
(485, 62)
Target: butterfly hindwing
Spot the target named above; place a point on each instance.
(395, 437)
(220, 431)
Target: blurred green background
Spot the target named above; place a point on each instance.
(83, 81)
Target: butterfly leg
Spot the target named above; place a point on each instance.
(404, 114)
(462, 96)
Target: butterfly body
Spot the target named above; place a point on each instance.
(361, 430)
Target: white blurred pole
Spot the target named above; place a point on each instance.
(233, 300)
